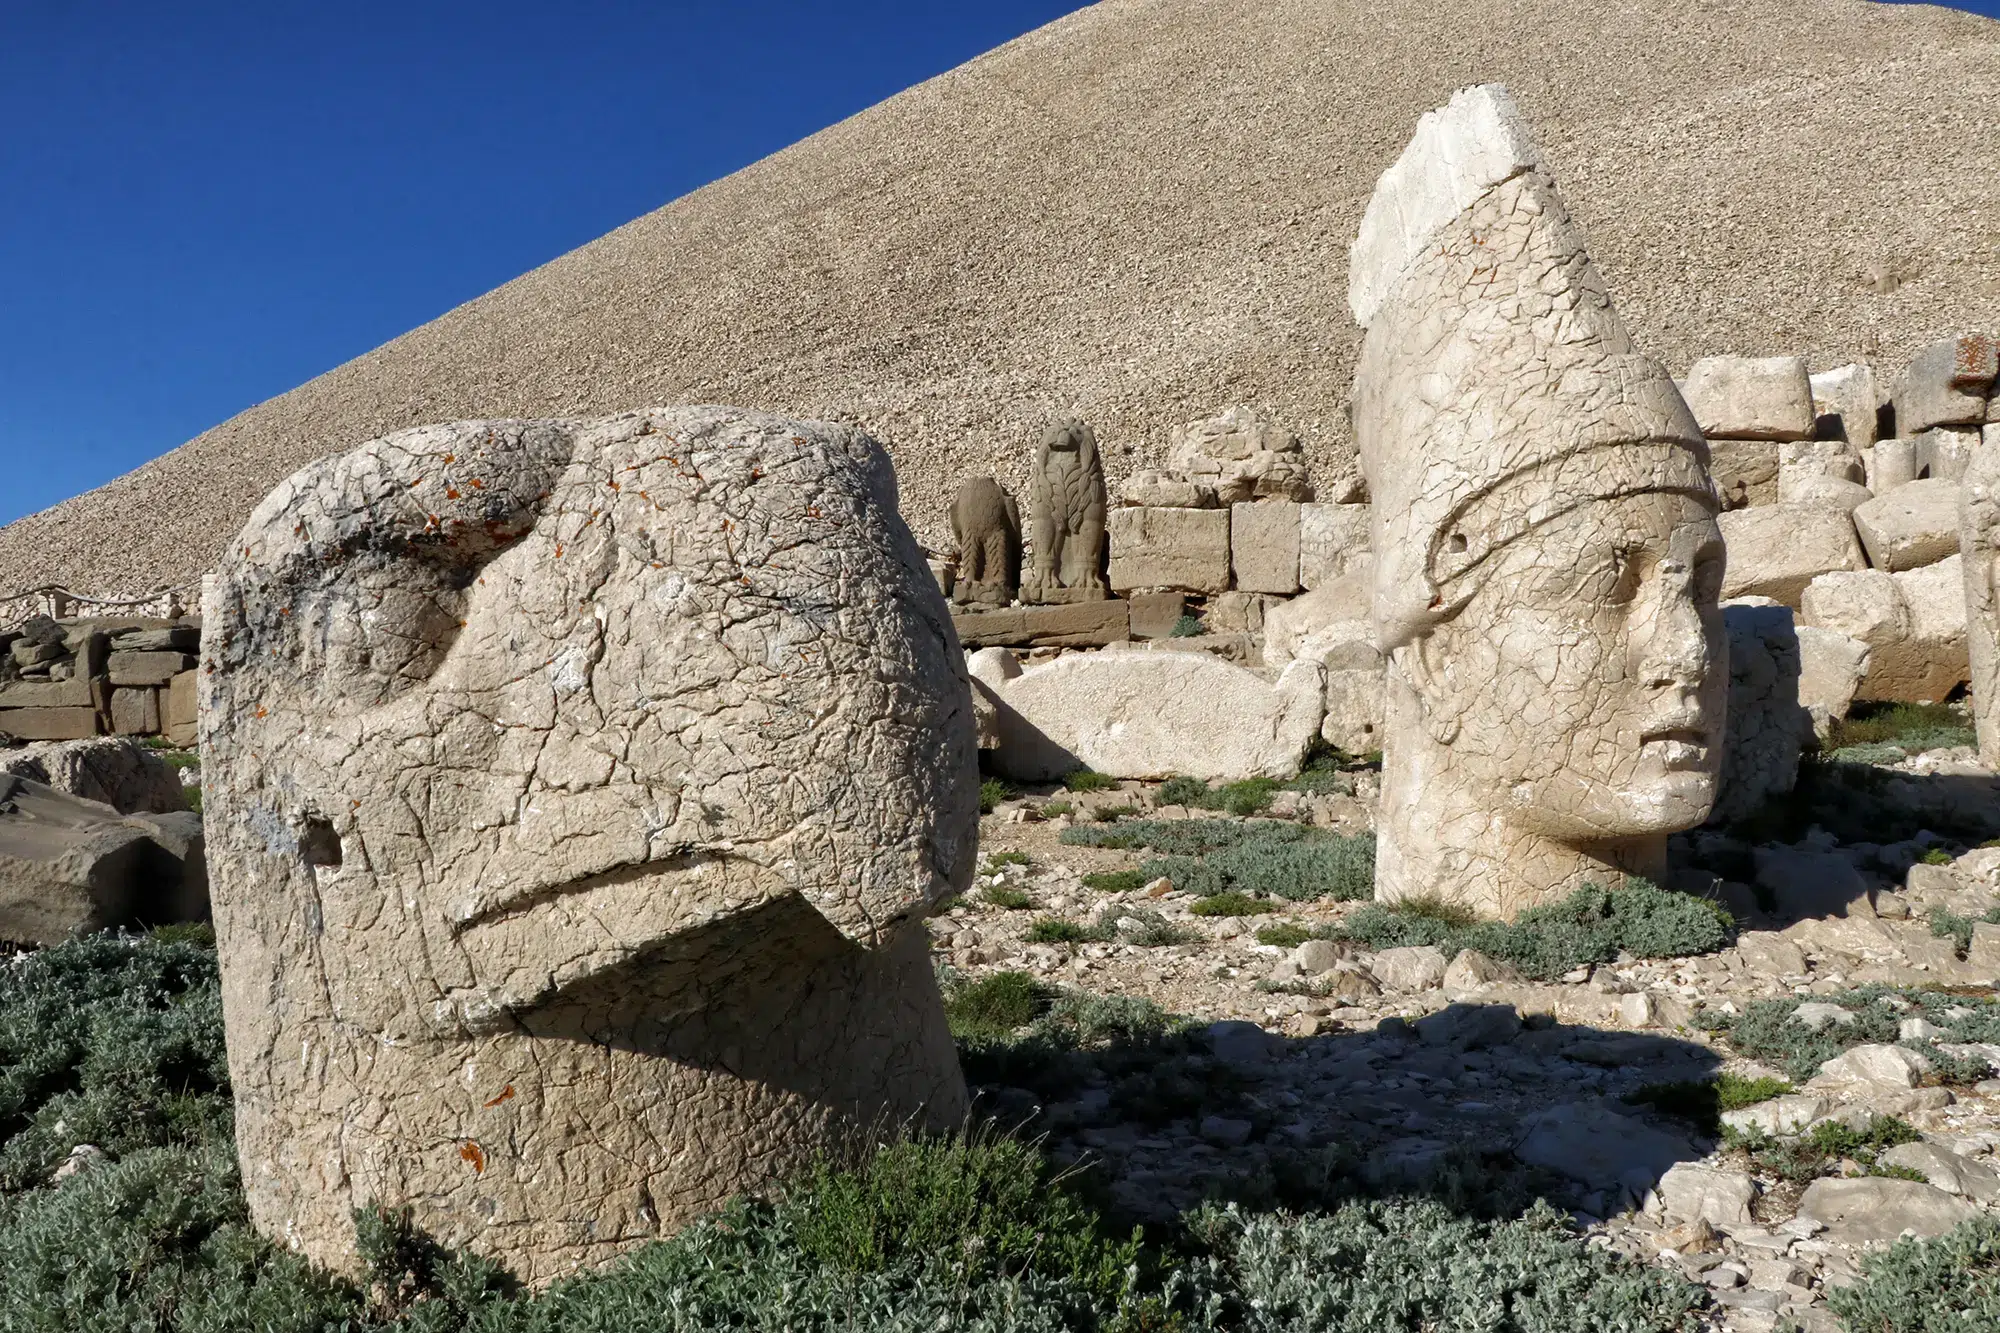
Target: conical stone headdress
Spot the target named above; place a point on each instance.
(1497, 388)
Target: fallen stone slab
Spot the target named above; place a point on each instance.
(1757, 398)
(1913, 624)
(1776, 550)
(1134, 714)
(1946, 384)
(1874, 1068)
(1847, 395)
(1943, 452)
(1947, 1170)
(113, 771)
(69, 866)
(1691, 1192)
(1875, 1210)
(1067, 625)
(1832, 666)
(1913, 526)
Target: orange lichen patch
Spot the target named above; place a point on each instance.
(453, 458)
(476, 484)
(451, 492)
(262, 712)
(505, 1093)
(473, 1153)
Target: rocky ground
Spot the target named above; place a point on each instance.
(1399, 1064)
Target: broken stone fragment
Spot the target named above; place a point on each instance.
(1917, 525)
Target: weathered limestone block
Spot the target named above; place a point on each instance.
(1979, 542)
(176, 638)
(1877, 1211)
(1943, 451)
(117, 772)
(146, 668)
(1751, 398)
(1913, 623)
(69, 866)
(1767, 726)
(49, 724)
(1916, 525)
(178, 713)
(1154, 488)
(1356, 696)
(1892, 464)
(1331, 613)
(1946, 384)
(1745, 472)
(1264, 546)
(1542, 511)
(576, 792)
(1777, 550)
(135, 712)
(1847, 395)
(1831, 668)
(1238, 612)
(986, 523)
(1808, 489)
(1068, 504)
(1151, 715)
(1170, 548)
(1239, 456)
(1075, 625)
(1331, 538)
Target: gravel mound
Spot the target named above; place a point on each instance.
(1141, 213)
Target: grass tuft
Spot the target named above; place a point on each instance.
(1084, 779)
(1114, 881)
(992, 791)
(1232, 903)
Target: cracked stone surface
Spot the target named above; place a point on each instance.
(1547, 558)
(576, 791)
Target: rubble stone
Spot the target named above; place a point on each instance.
(117, 772)
(1745, 471)
(1831, 669)
(1875, 1210)
(1691, 1192)
(1917, 525)
(1913, 624)
(1776, 550)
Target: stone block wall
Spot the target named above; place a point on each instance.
(104, 676)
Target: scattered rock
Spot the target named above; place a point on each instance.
(1417, 967)
(1947, 1170)
(1873, 1210)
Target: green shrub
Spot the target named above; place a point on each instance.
(1190, 792)
(1055, 930)
(1111, 814)
(1284, 935)
(1188, 626)
(1057, 809)
(1807, 1156)
(1232, 904)
(1702, 1103)
(1947, 1285)
(992, 791)
(1592, 925)
(1007, 896)
(1937, 856)
(1764, 1031)
(1959, 928)
(1247, 797)
(1400, 1265)
(1265, 858)
(1913, 728)
(1144, 928)
(994, 1005)
(1114, 881)
(1085, 780)
(996, 860)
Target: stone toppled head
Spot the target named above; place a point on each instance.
(576, 790)
(1547, 560)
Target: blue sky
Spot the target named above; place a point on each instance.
(203, 204)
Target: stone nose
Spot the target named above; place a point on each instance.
(1670, 643)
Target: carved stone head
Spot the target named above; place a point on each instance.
(1547, 555)
(575, 791)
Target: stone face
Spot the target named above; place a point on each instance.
(1751, 398)
(1874, 1210)
(1979, 541)
(1076, 625)
(1067, 504)
(1846, 394)
(1745, 472)
(1914, 526)
(126, 776)
(1510, 430)
(986, 524)
(1332, 538)
(1170, 548)
(1135, 714)
(1264, 546)
(1946, 384)
(620, 782)
(1912, 623)
(1767, 726)
(1691, 1192)
(1776, 551)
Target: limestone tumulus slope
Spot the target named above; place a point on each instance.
(1141, 213)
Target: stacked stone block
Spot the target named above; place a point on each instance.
(69, 679)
